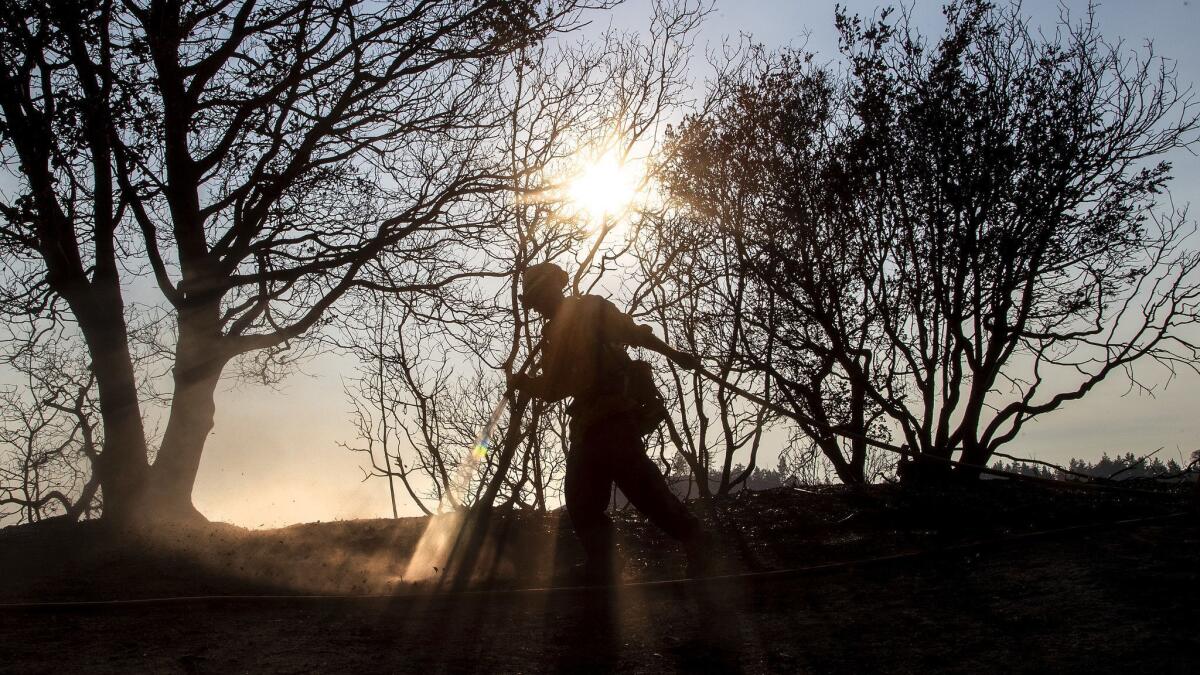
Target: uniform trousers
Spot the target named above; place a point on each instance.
(611, 451)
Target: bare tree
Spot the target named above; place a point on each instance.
(753, 178)
(1022, 253)
(254, 161)
(553, 106)
(396, 405)
(567, 103)
(692, 290)
(49, 436)
(956, 237)
(644, 80)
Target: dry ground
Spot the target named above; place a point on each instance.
(1097, 598)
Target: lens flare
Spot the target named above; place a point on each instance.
(433, 551)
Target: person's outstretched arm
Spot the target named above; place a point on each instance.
(683, 359)
(621, 327)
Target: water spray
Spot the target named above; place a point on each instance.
(441, 535)
(483, 442)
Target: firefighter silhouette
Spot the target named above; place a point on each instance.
(614, 405)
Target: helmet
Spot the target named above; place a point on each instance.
(543, 277)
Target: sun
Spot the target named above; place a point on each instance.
(603, 189)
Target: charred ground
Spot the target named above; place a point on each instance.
(969, 591)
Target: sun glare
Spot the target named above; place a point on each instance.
(604, 189)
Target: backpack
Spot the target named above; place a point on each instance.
(649, 409)
(622, 385)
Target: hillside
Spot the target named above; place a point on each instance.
(1003, 577)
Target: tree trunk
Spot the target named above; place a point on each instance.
(198, 364)
(847, 473)
(169, 494)
(974, 456)
(699, 472)
(508, 449)
(926, 468)
(858, 422)
(121, 467)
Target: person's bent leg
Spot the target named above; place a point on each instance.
(646, 488)
(644, 485)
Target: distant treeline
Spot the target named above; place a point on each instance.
(1120, 467)
(684, 486)
(759, 479)
(1128, 466)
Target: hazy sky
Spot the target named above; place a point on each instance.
(273, 457)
